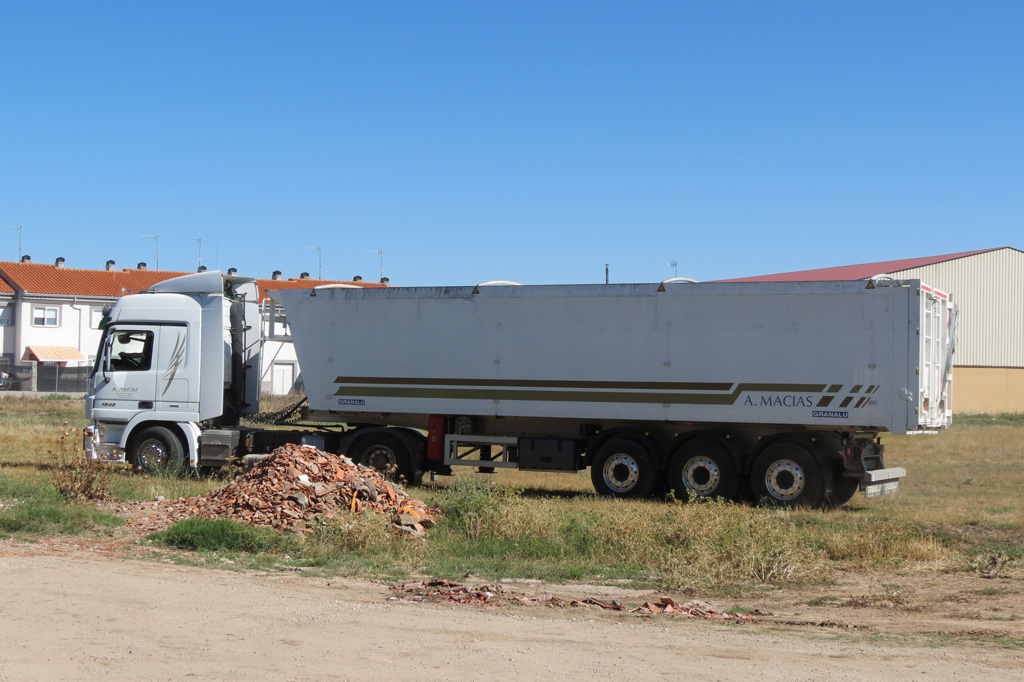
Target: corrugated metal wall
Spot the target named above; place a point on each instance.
(989, 289)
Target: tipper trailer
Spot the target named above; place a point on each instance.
(774, 391)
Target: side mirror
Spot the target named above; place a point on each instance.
(105, 359)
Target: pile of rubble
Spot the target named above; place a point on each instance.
(298, 486)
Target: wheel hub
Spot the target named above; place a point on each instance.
(702, 475)
(152, 454)
(380, 458)
(621, 473)
(785, 480)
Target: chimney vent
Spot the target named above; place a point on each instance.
(276, 275)
(385, 281)
(111, 265)
(357, 278)
(304, 275)
(202, 268)
(26, 258)
(140, 266)
(232, 271)
(59, 262)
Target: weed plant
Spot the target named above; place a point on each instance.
(75, 476)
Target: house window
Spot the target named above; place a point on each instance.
(7, 316)
(95, 318)
(45, 316)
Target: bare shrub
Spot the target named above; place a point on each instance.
(75, 476)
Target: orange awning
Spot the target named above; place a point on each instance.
(52, 354)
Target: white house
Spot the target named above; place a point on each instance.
(50, 316)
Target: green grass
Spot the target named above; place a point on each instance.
(967, 421)
(34, 508)
(211, 535)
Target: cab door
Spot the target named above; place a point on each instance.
(173, 362)
(125, 380)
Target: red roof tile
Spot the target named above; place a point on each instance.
(5, 288)
(272, 284)
(43, 278)
(862, 271)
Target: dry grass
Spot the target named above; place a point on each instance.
(42, 436)
(959, 505)
(966, 477)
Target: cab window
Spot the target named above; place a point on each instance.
(131, 351)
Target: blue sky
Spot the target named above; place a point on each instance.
(530, 141)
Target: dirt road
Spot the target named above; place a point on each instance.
(84, 616)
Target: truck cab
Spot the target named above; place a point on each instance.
(184, 354)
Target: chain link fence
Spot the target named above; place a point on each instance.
(44, 378)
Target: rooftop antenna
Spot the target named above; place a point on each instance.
(380, 253)
(606, 274)
(156, 238)
(675, 267)
(319, 267)
(18, 228)
(198, 240)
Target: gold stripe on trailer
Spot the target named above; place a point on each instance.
(523, 390)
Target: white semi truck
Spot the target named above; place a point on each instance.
(775, 391)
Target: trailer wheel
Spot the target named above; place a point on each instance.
(385, 453)
(703, 468)
(843, 490)
(622, 468)
(157, 450)
(787, 475)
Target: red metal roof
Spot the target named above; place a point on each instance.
(862, 271)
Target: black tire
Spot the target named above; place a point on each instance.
(843, 490)
(157, 450)
(385, 453)
(703, 468)
(787, 475)
(623, 468)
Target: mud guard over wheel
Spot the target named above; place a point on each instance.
(703, 468)
(623, 468)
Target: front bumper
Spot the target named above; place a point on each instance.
(95, 448)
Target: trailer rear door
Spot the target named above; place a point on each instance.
(937, 334)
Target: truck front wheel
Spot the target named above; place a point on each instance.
(385, 453)
(787, 475)
(157, 450)
(703, 468)
(622, 468)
